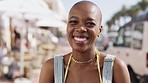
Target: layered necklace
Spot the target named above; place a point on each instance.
(84, 62)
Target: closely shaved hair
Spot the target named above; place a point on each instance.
(85, 2)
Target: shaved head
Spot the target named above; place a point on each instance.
(90, 4)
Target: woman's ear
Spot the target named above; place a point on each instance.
(100, 30)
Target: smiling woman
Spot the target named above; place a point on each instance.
(85, 64)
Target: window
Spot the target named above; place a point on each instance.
(120, 38)
(124, 37)
(127, 36)
(138, 36)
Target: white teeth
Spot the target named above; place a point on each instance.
(80, 39)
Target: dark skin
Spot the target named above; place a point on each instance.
(84, 26)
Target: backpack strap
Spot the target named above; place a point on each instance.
(108, 68)
(58, 69)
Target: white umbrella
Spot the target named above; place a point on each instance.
(55, 23)
(27, 7)
(24, 6)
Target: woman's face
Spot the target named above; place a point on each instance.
(83, 27)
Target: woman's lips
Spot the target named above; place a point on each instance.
(80, 40)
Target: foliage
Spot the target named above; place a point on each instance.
(125, 13)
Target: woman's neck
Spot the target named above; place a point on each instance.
(83, 56)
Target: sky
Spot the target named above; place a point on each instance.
(108, 7)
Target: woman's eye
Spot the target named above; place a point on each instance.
(90, 24)
(73, 22)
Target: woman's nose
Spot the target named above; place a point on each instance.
(81, 29)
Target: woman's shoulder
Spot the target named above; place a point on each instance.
(49, 64)
(121, 74)
(120, 68)
(119, 63)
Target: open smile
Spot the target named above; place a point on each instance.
(80, 39)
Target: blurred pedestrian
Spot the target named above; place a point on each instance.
(84, 64)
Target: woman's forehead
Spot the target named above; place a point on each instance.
(83, 8)
(84, 12)
(86, 9)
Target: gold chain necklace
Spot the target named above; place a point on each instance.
(69, 61)
(83, 62)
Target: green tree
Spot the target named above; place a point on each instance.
(143, 4)
(125, 13)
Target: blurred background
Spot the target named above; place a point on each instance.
(33, 31)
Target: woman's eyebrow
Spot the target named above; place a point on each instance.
(91, 19)
(73, 17)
